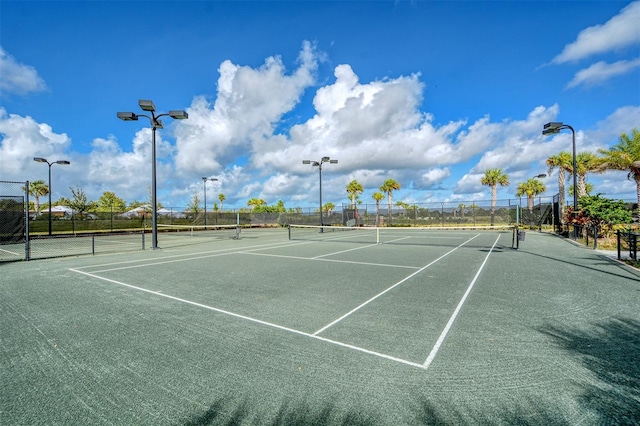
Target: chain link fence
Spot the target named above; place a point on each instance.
(471, 213)
(24, 233)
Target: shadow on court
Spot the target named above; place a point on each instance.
(225, 413)
(627, 273)
(611, 351)
(289, 414)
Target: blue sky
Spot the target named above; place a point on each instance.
(431, 94)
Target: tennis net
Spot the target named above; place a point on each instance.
(474, 236)
(209, 231)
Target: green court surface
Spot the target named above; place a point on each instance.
(451, 327)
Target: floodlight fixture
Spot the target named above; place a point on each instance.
(204, 184)
(542, 175)
(555, 127)
(127, 116)
(178, 114)
(44, 160)
(146, 105)
(552, 127)
(318, 164)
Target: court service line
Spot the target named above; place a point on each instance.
(362, 305)
(344, 251)
(353, 262)
(255, 320)
(181, 258)
(444, 333)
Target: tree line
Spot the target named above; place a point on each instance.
(624, 156)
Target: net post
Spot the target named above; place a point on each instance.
(93, 245)
(143, 239)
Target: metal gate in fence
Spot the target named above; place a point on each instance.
(14, 224)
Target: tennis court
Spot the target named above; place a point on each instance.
(309, 327)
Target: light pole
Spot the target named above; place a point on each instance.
(553, 128)
(44, 160)
(318, 164)
(204, 184)
(146, 105)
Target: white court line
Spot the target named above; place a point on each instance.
(183, 257)
(144, 265)
(255, 320)
(344, 251)
(226, 252)
(391, 288)
(444, 333)
(386, 265)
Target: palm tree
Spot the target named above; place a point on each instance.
(221, 197)
(588, 189)
(586, 162)
(389, 186)
(625, 155)
(38, 189)
(493, 178)
(254, 202)
(378, 196)
(353, 189)
(403, 205)
(564, 163)
(328, 208)
(461, 206)
(530, 188)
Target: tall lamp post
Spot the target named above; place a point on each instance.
(553, 128)
(147, 105)
(318, 164)
(204, 184)
(44, 160)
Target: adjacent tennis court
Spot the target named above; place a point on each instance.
(324, 326)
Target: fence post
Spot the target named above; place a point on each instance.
(585, 230)
(143, 239)
(93, 244)
(595, 237)
(27, 246)
(618, 240)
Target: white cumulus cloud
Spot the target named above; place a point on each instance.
(619, 32)
(249, 104)
(18, 78)
(602, 71)
(22, 139)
